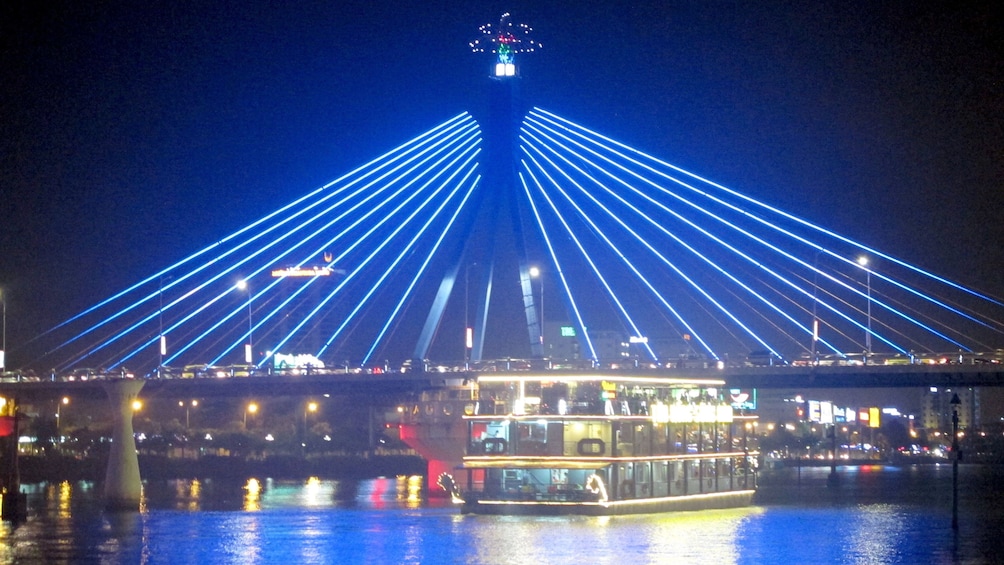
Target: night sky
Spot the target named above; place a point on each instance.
(133, 134)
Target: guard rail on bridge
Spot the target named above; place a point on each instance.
(395, 384)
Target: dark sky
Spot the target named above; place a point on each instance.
(132, 134)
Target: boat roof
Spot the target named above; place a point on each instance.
(580, 377)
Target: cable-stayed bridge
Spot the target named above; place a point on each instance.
(520, 233)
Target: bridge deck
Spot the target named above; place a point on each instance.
(396, 384)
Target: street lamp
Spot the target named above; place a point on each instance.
(537, 273)
(468, 332)
(182, 404)
(310, 408)
(815, 301)
(243, 284)
(163, 339)
(253, 409)
(3, 344)
(59, 419)
(863, 261)
(955, 460)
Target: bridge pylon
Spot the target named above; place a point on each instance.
(123, 487)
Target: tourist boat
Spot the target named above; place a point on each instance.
(601, 444)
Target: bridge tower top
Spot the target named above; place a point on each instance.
(504, 42)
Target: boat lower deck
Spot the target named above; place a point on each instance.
(708, 501)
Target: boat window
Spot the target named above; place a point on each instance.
(590, 446)
(495, 446)
(488, 437)
(532, 438)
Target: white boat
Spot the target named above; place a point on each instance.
(590, 443)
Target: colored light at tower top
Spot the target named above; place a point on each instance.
(505, 41)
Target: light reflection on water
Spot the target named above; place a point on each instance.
(709, 537)
(878, 515)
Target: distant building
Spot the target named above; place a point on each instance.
(562, 342)
(936, 408)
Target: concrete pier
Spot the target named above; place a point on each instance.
(123, 488)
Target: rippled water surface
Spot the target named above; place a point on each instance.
(875, 515)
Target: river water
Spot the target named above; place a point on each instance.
(874, 515)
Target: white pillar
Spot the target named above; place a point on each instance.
(123, 488)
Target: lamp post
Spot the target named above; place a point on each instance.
(955, 461)
(833, 479)
(863, 261)
(468, 332)
(243, 284)
(815, 315)
(193, 404)
(3, 344)
(59, 420)
(534, 274)
(310, 408)
(162, 345)
(253, 409)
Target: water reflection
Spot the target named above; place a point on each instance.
(866, 547)
(711, 536)
(252, 494)
(124, 535)
(874, 516)
(256, 495)
(65, 491)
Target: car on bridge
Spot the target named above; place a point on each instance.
(193, 371)
(241, 370)
(20, 376)
(81, 374)
(763, 358)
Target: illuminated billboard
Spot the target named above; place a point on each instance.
(297, 361)
(742, 399)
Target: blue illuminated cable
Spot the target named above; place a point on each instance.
(597, 230)
(634, 328)
(473, 141)
(374, 228)
(358, 220)
(686, 278)
(745, 213)
(400, 257)
(156, 276)
(653, 223)
(654, 251)
(400, 226)
(577, 242)
(462, 166)
(178, 279)
(470, 139)
(599, 276)
(778, 211)
(757, 263)
(557, 264)
(776, 249)
(428, 259)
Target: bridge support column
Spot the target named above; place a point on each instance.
(123, 488)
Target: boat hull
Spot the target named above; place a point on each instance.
(711, 501)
